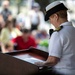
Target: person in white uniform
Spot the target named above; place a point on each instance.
(62, 42)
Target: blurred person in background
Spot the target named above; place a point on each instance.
(9, 32)
(34, 16)
(14, 22)
(16, 25)
(6, 13)
(20, 21)
(2, 23)
(8, 47)
(42, 38)
(25, 41)
(41, 35)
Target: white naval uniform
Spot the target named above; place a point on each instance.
(62, 45)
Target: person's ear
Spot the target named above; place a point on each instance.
(56, 17)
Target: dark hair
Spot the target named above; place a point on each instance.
(14, 22)
(8, 22)
(62, 14)
(25, 30)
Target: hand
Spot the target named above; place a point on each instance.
(41, 64)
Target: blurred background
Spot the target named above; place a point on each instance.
(28, 14)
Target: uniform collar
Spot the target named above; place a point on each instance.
(66, 23)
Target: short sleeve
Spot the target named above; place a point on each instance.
(4, 36)
(55, 46)
(18, 32)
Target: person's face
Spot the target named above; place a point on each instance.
(44, 32)
(26, 35)
(6, 6)
(10, 26)
(54, 19)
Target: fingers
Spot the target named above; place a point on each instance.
(39, 64)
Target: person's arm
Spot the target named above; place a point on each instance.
(4, 36)
(18, 32)
(55, 51)
(51, 61)
(3, 48)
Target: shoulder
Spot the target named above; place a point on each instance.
(58, 31)
(16, 29)
(59, 28)
(59, 35)
(55, 34)
(18, 38)
(31, 38)
(4, 30)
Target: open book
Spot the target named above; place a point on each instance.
(28, 58)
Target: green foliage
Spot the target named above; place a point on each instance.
(44, 43)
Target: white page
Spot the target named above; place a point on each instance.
(28, 58)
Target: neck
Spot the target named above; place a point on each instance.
(60, 22)
(25, 39)
(10, 29)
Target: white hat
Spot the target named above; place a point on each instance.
(53, 8)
